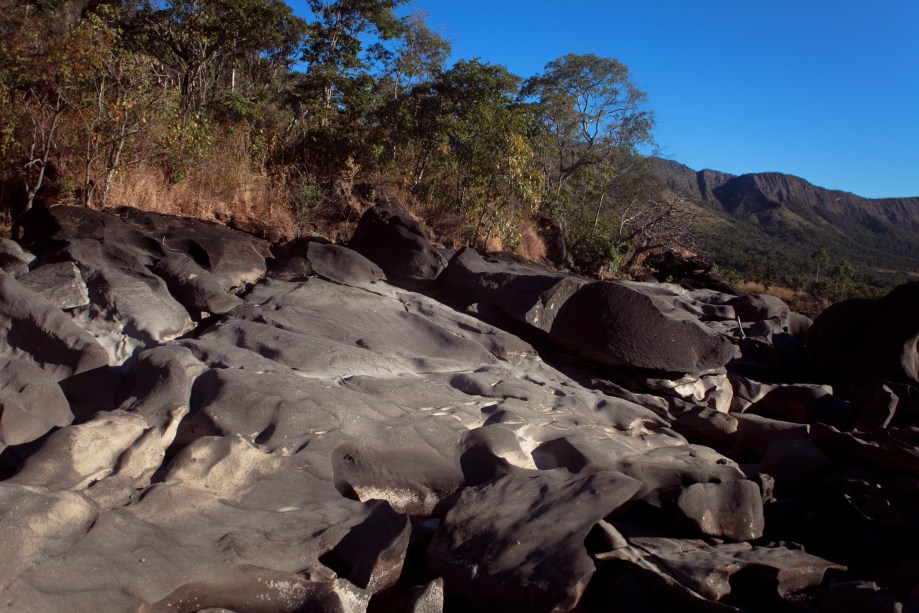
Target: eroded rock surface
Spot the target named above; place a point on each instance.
(191, 434)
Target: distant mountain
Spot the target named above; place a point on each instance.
(756, 220)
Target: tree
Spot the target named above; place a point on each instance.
(821, 260)
(474, 157)
(590, 113)
(842, 275)
(592, 124)
(333, 48)
(113, 107)
(191, 38)
(43, 61)
(418, 56)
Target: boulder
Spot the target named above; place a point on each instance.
(515, 544)
(618, 325)
(798, 403)
(706, 426)
(31, 403)
(756, 434)
(856, 341)
(13, 258)
(710, 577)
(131, 241)
(890, 448)
(878, 411)
(342, 265)
(761, 307)
(60, 283)
(731, 510)
(32, 328)
(194, 287)
(389, 236)
(527, 292)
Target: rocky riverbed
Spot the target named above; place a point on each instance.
(194, 419)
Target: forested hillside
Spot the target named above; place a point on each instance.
(242, 111)
(781, 229)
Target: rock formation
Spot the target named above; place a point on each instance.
(192, 419)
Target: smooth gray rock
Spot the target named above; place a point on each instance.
(373, 552)
(792, 463)
(890, 448)
(303, 450)
(342, 265)
(731, 510)
(37, 524)
(13, 258)
(31, 402)
(517, 544)
(129, 240)
(428, 598)
(879, 411)
(615, 324)
(32, 328)
(194, 287)
(389, 236)
(761, 307)
(756, 434)
(527, 293)
(131, 311)
(78, 456)
(262, 590)
(695, 571)
(60, 283)
(706, 426)
(667, 469)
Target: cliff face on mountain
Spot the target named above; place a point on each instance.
(752, 192)
(790, 215)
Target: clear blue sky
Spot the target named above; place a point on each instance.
(827, 90)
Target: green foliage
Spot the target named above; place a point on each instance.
(474, 157)
(202, 43)
(161, 82)
(306, 196)
(593, 250)
(185, 144)
(589, 124)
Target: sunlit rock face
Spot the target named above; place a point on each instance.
(181, 432)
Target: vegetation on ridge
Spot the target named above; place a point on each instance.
(242, 111)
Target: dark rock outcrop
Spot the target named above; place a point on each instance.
(858, 340)
(194, 434)
(528, 293)
(618, 324)
(389, 236)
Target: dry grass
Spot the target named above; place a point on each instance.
(798, 301)
(221, 187)
(532, 247)
(783, 293)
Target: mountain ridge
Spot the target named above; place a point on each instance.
(756, 220)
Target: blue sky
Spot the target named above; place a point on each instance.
(825, 90)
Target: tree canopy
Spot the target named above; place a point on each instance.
(357, 90)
